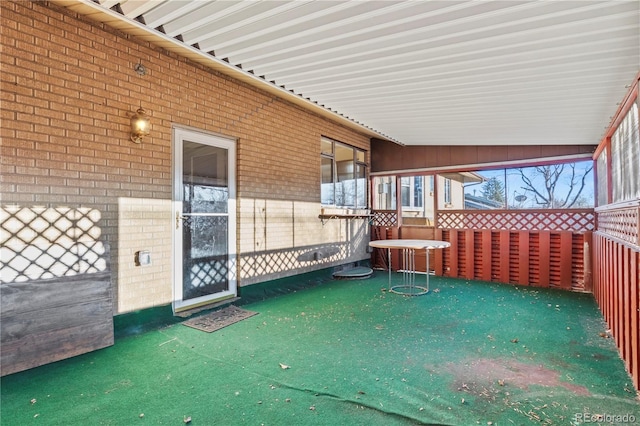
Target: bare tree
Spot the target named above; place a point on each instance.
(547, 196)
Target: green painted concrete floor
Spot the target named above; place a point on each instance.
(350, 353)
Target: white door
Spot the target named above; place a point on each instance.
(205, 219)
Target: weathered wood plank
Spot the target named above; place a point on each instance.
(36, 295)
(23, 324)
(47, 320)
(39, 349)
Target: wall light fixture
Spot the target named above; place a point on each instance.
(140, 125)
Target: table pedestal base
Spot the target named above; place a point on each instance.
(410, 290)
(408, 286)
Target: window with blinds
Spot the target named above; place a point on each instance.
(625, 159)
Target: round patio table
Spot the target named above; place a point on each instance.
(409, 247)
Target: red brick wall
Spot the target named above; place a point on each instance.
(68, 87)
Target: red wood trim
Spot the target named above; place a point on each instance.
(595, 248)
(566, 252)
(438, 260)
(487, 255)
(626, 304)
(610, 280)
(399, 201)
(634, 364)
(523, 257)
(638, 227)
(609, 167)
(587, 254)
(616, 292)
(504, 256)
(470, 253)
(621, 112)
(453, 258)
(545, 257)
(392, 234)
(438, 267)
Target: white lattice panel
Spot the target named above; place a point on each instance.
(621, 224)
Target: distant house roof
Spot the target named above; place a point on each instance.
(481, 203)
(464, 177)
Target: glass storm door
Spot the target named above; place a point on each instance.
(204, 204)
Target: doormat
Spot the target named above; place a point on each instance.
(219, 319)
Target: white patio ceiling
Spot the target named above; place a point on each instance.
(415, 72)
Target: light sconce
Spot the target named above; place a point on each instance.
(140, 125)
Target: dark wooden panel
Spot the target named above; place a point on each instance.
(39, 349)
(442, 155)
(484, 155)
(48, 320)
(464, 154)
(518, 152)
(387, 156)
(35, 295)
(22, 324)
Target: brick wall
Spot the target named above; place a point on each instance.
(68, 87)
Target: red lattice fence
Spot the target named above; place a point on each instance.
(522, 220)
(385, 218)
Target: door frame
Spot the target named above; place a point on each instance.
(179, 134)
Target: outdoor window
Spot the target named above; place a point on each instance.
(550, 186)
(447, 191)
(384, 193)
(625, 159)
(412, 193)
(451, 190)
(417, 206)
(343, 173)
(603, 178)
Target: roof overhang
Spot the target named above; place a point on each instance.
(128, 26)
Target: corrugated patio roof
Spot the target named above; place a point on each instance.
(415, 72)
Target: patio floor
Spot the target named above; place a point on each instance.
(350, 353)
